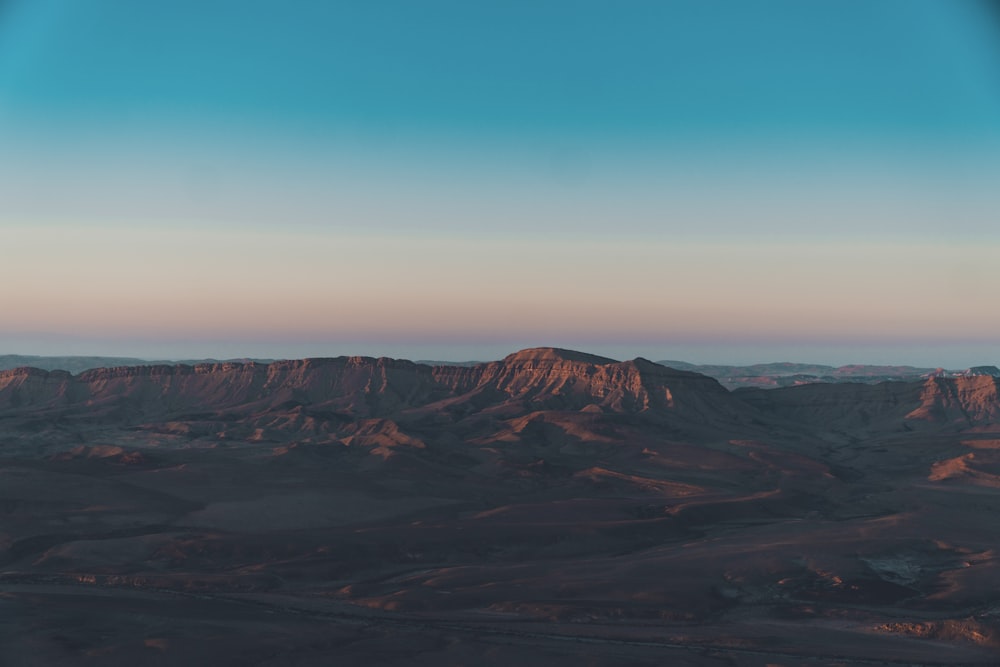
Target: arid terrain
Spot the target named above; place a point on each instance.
(553, 508)
(782, 374)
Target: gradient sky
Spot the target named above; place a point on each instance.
(708, 180)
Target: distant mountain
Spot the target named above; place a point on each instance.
(72, 364)
(770, 369)
(992, 371)
(786, 374)
(434, 362)
(78, 364)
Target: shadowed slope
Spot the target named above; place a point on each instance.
(363, 511)
(936, 403)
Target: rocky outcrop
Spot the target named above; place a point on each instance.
(953, 403)
(961, 402)
(33, 388)
(554, 379)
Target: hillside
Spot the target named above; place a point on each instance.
(431, 514)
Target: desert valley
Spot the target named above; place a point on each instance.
(552, 508)
(756, 238)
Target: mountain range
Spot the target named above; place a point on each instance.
(779, 374)
(552, 507)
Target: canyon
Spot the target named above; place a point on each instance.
(554, 507)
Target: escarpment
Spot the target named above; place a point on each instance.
(935, 403)
(561, 379)
(33, 388)
(530, 380)
(959, 402)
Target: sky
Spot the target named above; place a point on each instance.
(704, 180)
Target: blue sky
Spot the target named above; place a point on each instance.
(604, 175)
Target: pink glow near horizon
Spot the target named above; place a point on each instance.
(297, 286)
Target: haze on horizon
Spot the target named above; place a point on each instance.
(698, 180)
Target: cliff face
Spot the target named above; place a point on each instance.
(363, 387)
(966, 401)
(558, 379)
(360, 385)
(530, 380)
(28, 388)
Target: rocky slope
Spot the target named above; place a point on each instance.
(551, 508)
(956, 404)
(540, 379)
(535, 379)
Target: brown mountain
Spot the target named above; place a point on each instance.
(357, 387)
(553, 507)
(534, 379)
(954, 404)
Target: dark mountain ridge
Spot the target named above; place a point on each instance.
(540, 378)
(766, 375)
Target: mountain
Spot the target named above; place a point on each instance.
(73, 364)
(78, 364)
(546, 379)
(991, 371)
(957, 404)
(781, 374)
(553, 507)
